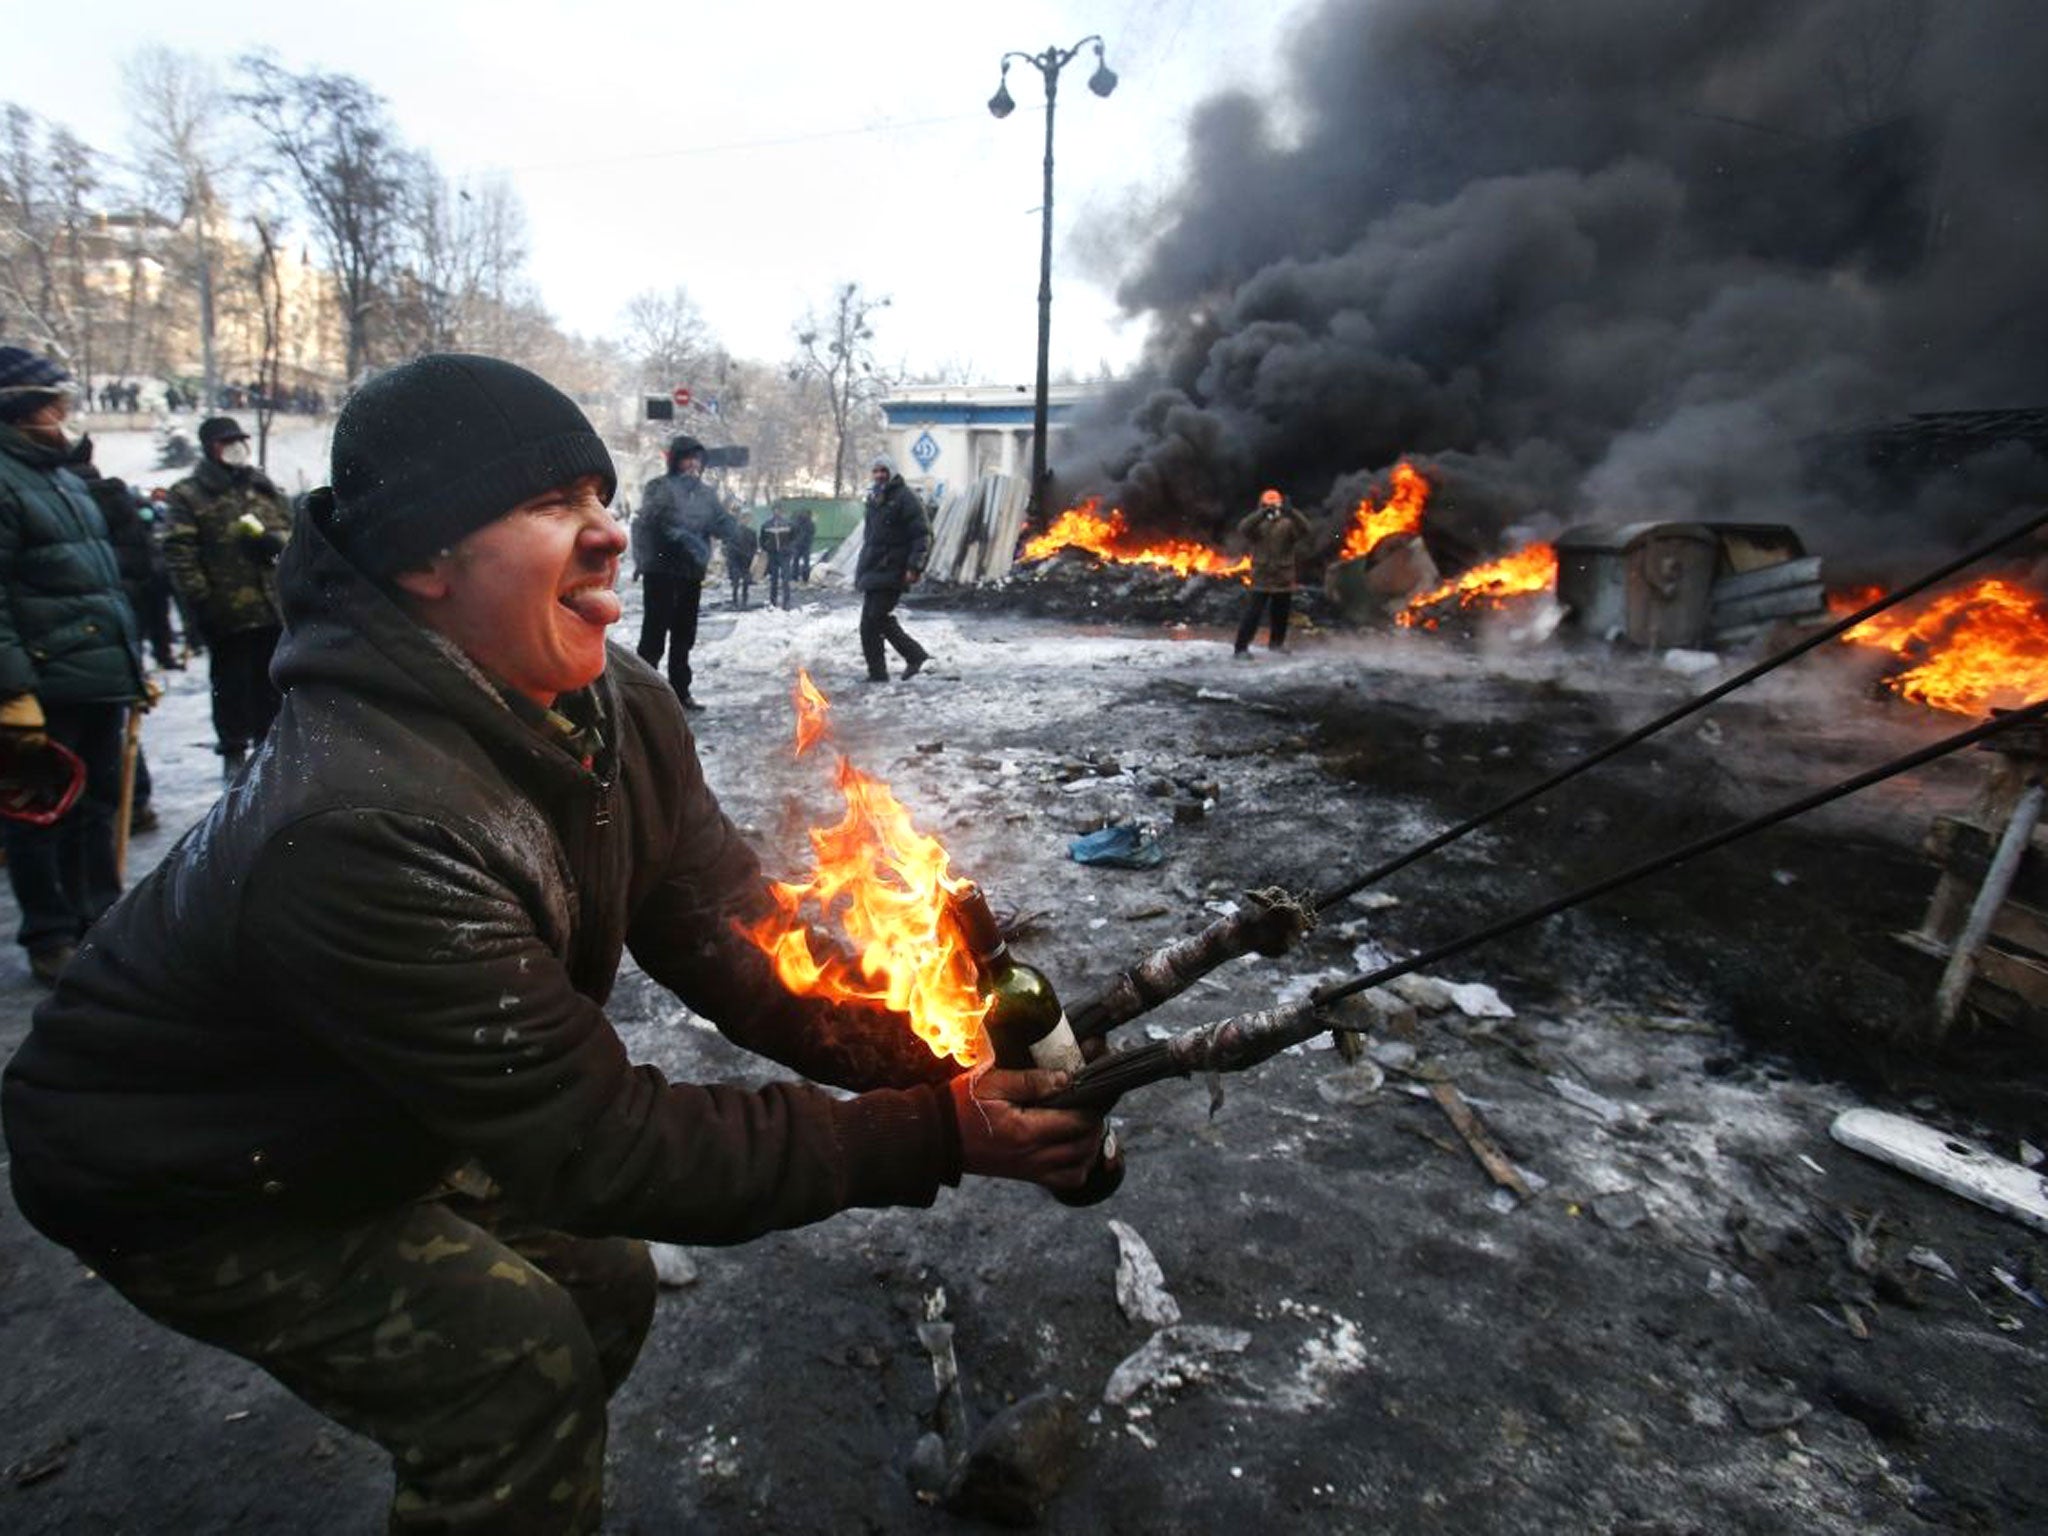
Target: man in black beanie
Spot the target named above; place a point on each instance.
(679, 517)
(334, 1089)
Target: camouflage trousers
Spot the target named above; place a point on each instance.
(477, 1349)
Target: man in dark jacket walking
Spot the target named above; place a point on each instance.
(334, 1089)
(741, 545)
(1277, 531)
(228, 525)
(894, 538)
(70, 667)
(778, 540)
(679, 517)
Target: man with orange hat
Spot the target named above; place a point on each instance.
(1276, 530)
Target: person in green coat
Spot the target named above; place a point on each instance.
(70, 661)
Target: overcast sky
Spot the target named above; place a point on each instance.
(758, 154)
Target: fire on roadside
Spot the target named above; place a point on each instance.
(811, 706)
(1969, 650)
(882, 885)
(1372, 526)
(1107, 536)
(1533, 568)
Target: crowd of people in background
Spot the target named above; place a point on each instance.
(126, 396)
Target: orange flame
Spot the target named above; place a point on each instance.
(1529, 569)
(1974, 649)
(811, 706)
(884, 885)
(1372, 526)
(1109, 538)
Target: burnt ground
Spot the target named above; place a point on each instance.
(1705, 1320)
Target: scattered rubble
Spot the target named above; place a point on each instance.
(1141, 1293)
(1183, 1355)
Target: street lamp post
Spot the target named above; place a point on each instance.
(1102, 82)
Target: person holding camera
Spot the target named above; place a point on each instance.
(1276, 530)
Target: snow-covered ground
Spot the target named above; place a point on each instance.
(1672, 1333)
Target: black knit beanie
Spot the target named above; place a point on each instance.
(440, 446)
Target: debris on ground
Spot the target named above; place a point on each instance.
(1019, 1463)
(1119, 847)
(1141, 1293)
(1176, 1357)
(1955, 1163)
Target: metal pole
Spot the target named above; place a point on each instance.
(1050, 68)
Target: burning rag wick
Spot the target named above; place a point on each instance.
(883, 886)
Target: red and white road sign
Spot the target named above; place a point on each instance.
(681, 394)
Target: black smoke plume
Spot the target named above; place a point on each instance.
(1603, 260)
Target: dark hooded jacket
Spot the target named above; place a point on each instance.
(894, 537)
(679, 517)
(67, 633)
(135, 551)
(386, 952)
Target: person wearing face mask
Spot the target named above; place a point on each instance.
(70, 664)
(227, 526)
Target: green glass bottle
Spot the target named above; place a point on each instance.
(1028, 1028)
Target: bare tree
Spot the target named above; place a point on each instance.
(331, 134)
(790, 443)
(465, 255)
(270, 312)
(177, 115)
(835, 353)
(31, 296)
(74, 176)
(669, 340)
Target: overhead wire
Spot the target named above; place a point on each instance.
(1141, 987)
(1099, 1085)
(1671, 717)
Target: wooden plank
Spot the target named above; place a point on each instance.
(2026, 979)
(2020, 927)
(1964, 849)
(1985, 996)
(1466, 1121)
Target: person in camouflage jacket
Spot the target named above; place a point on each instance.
(228, 525)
